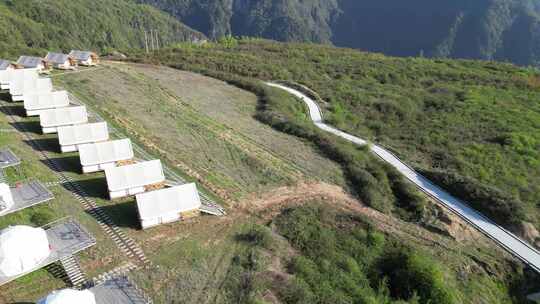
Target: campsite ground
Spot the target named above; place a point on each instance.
(206, 130)
(95, 260)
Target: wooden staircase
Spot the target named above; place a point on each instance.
(73, 271)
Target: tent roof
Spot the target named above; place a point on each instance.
(63, 116)
(4, 64)
(105, 152)
(81, 55)
(29, 85)
(83, 134)
(69, 296)
(136, 175)
(30, 61)
(21, 249)
(8, 76)
(41, 101)
(170, 200)
(57, 58)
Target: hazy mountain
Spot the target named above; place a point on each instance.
(487, 29)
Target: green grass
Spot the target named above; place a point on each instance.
(201, 123)
(478, 120)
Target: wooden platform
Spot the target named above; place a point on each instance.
(119, 290)
(8, 159)
(66, 237)
(27, 195)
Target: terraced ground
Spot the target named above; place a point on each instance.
(201, 125)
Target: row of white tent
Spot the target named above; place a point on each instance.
(23, 248)
(99, 153)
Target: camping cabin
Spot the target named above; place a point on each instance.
(168, 205)
(51, 120)
(29, 85)
(85, 58)
(71, 137)
(30, 62)
(34, 104)
(134, 179)
(6, 65)
(60, 61)
(103, 155)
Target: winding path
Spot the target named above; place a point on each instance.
(510, 242)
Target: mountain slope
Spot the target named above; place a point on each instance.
(507, 30)
(31, 26)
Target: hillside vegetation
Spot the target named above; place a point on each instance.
(507, 30)
(339, 257)
(36, 26)
(472, 126)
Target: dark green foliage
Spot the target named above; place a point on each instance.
(478, 119)
(506, 30)
(35, 26)
(505, 210)
(344, 261)
(411, 274)
(257, 235)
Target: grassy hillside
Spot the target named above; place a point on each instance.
(506, 30)
(269, 248)
(33, 27)
(472, 126)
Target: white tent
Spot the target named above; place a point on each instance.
(20, 87)
(50, 120)
(34, 104)
(22, 248)
(8, 76)
(99, 156)
(132, 179)
(6, 198)
(167, 205)
(69, 296)
(72, 136)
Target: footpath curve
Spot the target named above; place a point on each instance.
(510, 242)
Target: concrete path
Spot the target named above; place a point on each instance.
(510, 242)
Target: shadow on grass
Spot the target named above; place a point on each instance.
(66, 164)
(123, 214)
(94, 188)
(14, 109)
(57, 271)
(44, 144)
(27, 126)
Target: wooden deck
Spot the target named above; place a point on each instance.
(119, 290)
(66, 238)
(8, 159)
(28, 195)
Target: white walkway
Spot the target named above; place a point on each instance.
(506, 239)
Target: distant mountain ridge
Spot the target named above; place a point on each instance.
(35, 26)
(505, 30)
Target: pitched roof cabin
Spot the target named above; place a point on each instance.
(29, 62)
(6, 65)
(60, 61)
(85, 58)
